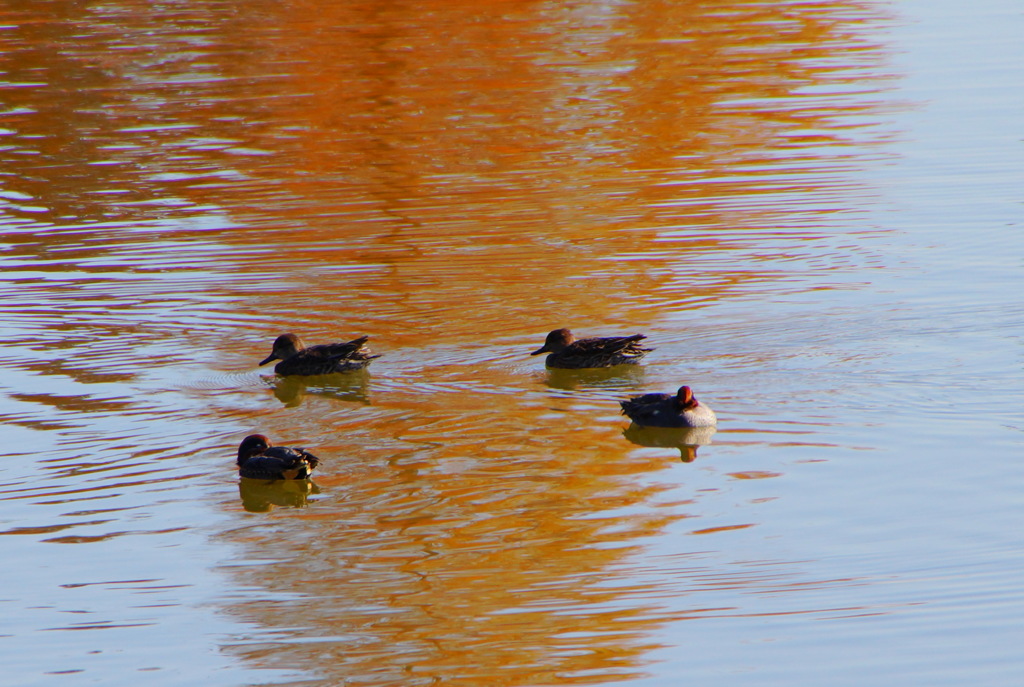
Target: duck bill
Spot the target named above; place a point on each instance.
(269, 358)
(542, 349)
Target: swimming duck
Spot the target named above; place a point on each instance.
(324, 359)
(666, 410)
(260, 459)
(569, 353)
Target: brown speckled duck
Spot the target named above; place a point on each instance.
(324, 359)
(567, 352)
(259, 459)
(666, 410)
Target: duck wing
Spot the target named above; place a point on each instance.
(341, 351)
(606, 345)
(645, 404)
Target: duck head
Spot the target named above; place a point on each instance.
(685, 398)
(252, 445)
(556, 342)
(285, 346)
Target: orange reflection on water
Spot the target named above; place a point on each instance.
(448, 153)
(498, 566)
(454, 179)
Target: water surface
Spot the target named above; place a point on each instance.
(812, 211)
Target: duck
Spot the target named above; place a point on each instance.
(323, 359)
(568, 352)
(666, 410)
(260, 459)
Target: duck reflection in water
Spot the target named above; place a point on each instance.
(262, 496)
(351, 387)
(568, 352)
(617, 378)
(297, 359)
(686, 439)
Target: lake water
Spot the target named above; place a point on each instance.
(813, 210)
